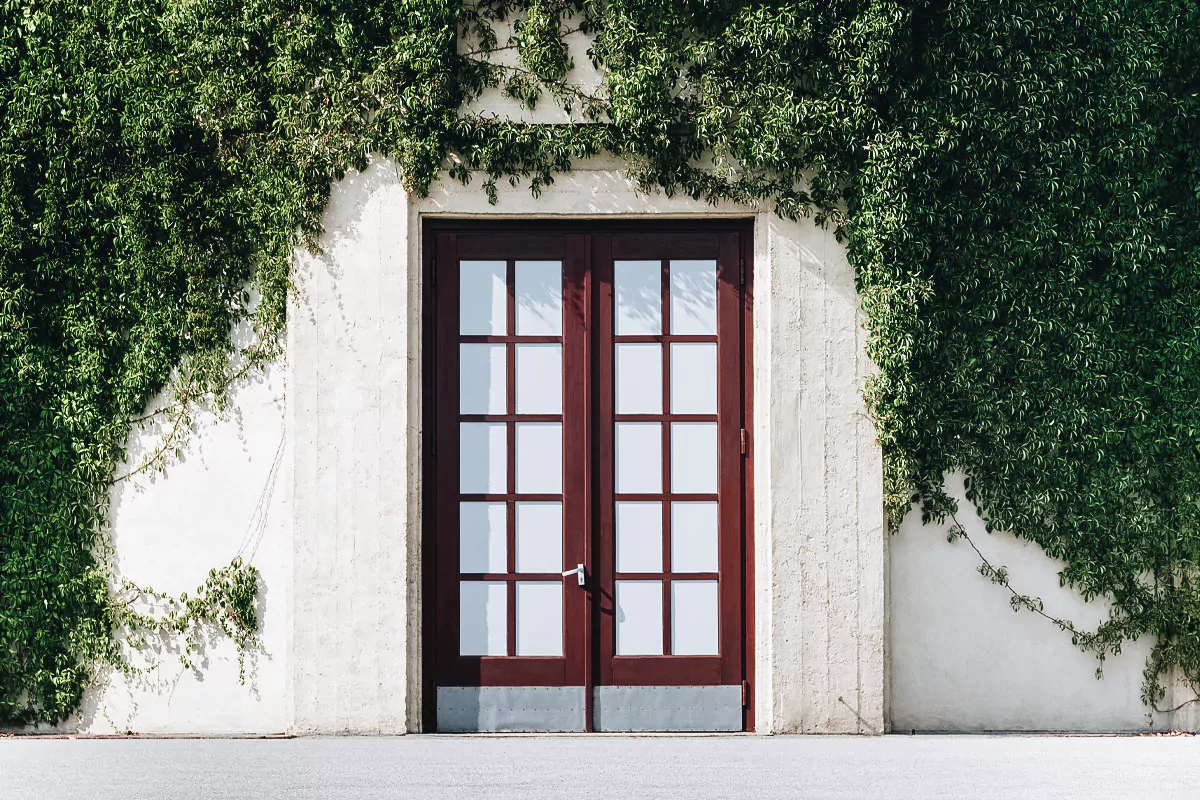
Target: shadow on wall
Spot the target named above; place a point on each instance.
(962, 660)
(223, 498)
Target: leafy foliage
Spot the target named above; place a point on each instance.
(1027, 238)
(1019, 182)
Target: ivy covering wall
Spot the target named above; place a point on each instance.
(1018, 183)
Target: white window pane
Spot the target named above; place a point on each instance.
(639, 537)
(694, 545)
(482, 379)
(695, 612)
(693, 297)
(637, 292)
(639, 378)
(482, 298)
(639, 457)
(482, 529)
(482, 618)
(538, 288)
(639, 618)
(539, 457)
(539, 379)
(539, 537)
(539, 618)
(482, 458)
(694, 457)
(694, 378)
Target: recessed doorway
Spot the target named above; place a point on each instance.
(587, 476)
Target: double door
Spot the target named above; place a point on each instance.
(586, 548)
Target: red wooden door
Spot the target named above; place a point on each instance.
(586, 415)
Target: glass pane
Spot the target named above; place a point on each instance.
(482, 543)
(482, 458)
(639, 537)
(695, 611)
(482, 379)
(639, 378)
(539, 379)
(539, 537)
(639, 457)
(694, 537)
(482, 298)
(539, 457)
(637, 291)
(639, 618)
(539, 618)
(538, 286)
(693, 297)
(694, 457)
(693, 378)
(483, 618)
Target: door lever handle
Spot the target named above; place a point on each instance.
(580, 572)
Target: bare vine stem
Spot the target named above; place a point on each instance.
(179, 409)
(555, 88)
(999, 576)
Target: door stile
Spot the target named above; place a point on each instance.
(510, 435)
(664, 296)
(729, 454)
(746, 309)
(446, 448)
(579, 277)
(430, 631)
(575, 461)
(604, 596)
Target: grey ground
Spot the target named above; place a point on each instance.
(691, 768)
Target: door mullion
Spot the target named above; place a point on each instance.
(604, 595)
(576, 627)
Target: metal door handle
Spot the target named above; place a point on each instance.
(580, 571)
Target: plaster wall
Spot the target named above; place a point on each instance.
(314, 476)
(227, 496)
(352, 335)
(962, 660)
(340, 550)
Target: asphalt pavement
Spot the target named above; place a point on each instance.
(602, 766)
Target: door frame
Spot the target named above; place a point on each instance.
(431, 226)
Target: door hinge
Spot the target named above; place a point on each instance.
(433, 441)
(745, 694)
(745, 441)
(741, 270)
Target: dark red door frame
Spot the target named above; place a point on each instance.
(587, 249)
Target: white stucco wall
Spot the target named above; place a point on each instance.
(228, 496)
(354, 406)
(962, 660)
(820, 541)
(314, 476)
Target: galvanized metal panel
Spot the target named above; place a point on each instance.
(668, 708)
(478, 709)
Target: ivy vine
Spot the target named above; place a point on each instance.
(1018, 182)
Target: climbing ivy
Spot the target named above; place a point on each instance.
(1018, 183)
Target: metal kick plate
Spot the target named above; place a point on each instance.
(560, 709)
(478, 709)
(668, 708)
